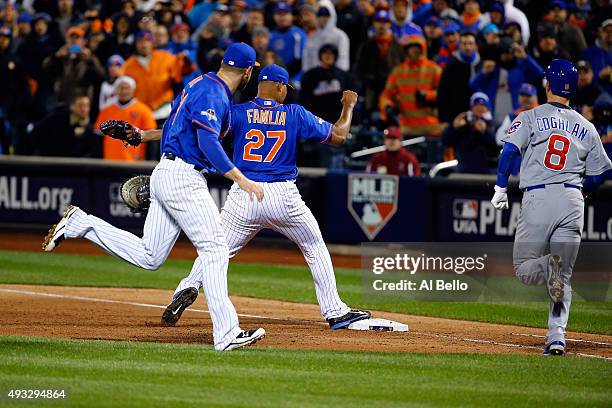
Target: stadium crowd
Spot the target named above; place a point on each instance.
(454, 71)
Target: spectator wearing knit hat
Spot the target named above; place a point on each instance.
(326, 33)
(114, 69)
(180, 42)
(411, 88)
(471, 136)
(376, 58)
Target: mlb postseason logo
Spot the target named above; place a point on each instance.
(372, 200)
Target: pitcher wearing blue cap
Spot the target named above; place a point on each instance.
(266, 135)
(180, 200)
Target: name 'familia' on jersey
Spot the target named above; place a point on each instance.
(266, 134)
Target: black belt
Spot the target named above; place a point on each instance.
(538, 186)
(172, 156)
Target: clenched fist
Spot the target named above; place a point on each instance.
(349, 98)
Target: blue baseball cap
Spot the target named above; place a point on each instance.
(282, 8)
(240, 55)
(527, 89)
(274, 73)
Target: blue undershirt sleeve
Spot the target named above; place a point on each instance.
(506, 160)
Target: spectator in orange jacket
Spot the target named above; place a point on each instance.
(155, 73)
(131, 110)
(395, 159)
(412, 89)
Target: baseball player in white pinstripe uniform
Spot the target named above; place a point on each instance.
(266, 135)
(180, 199)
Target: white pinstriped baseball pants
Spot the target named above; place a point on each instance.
(284, 211)
(180, 200)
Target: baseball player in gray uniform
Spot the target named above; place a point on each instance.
(558, 148)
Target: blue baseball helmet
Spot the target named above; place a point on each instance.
(562, 76)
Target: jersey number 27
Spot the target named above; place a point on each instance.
(556, 155)
(257, 140)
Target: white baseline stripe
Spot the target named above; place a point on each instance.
(600, 343)
(442, 336)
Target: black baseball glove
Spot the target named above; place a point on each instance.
(135, 193)
(121, 130)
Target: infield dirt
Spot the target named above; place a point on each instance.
(134, 314)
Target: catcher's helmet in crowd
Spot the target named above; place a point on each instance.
(562, 76)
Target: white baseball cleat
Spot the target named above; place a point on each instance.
(246, 338)
(56, 232)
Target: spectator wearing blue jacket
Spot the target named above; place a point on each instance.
(502, 79)
(288, 41)
(599, 56)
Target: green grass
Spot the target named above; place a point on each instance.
(291, 283)
(104, 374)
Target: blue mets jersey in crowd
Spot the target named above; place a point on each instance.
(266, 136)
(204, 104)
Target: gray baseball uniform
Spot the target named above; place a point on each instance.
(558, 148)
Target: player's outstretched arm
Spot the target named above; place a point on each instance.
(150, 135)
(245, 183)
(343, 124)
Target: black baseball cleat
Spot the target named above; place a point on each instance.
(246, 338)
(180, 302)
(352, 316)
(56, 233)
